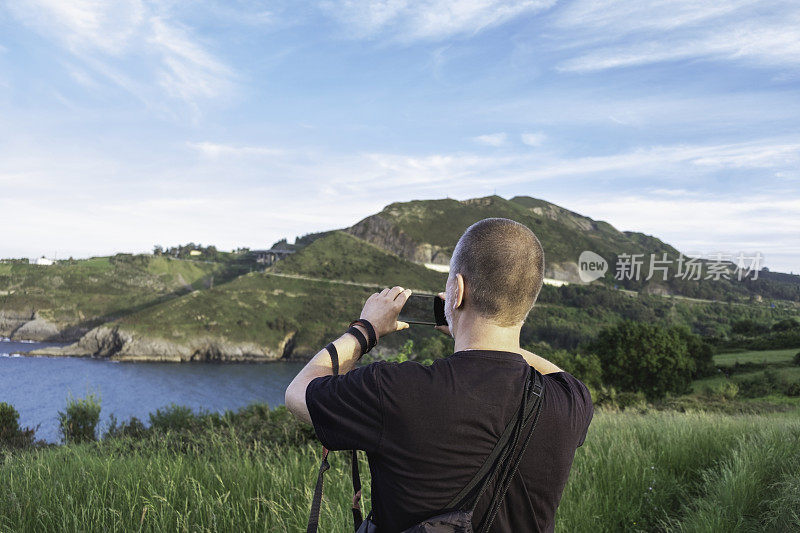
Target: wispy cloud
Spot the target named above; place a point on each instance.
(491, 139)
(626, 34)
(216, 150)
(184, 201)
(698, 224)
(407, 20)
(533, 139)
(105, 36)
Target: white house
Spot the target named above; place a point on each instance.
(43, 261)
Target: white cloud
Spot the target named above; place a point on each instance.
(171, 196)
(215, 150)
(705, 224)
(626, 34)
(408, 20)
(491, 139)
(132, 44)
(533, 139)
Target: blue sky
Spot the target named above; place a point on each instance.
(235, 123)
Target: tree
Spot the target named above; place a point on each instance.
(643, 357)
(699, 351)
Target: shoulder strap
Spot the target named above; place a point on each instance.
(501, 450)
(533, 401)
(316, 502)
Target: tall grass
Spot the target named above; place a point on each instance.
(660, 471)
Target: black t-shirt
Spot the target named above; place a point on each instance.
(428, 429)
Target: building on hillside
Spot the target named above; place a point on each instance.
(268, 257)
(43, 261)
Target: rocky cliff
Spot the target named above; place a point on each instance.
(384, 234)
(115, 343)
(30, 325)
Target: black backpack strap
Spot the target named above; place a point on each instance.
(316, 502)
(533, 400)
(498, 454)
(357, 516)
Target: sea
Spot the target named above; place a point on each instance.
(39, 387)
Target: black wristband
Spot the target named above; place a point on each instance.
(373, 338)
(334, 357)
(362, 340)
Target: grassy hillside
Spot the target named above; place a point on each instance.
(257, 308)
(264, 308)
(91, 291)
(341, 256)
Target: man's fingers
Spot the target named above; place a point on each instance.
(443, 295)
(394, 292)
(402, 298)
(401, 325)
(385, 291)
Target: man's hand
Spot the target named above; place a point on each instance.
(383, 308)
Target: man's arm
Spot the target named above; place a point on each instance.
(381, 310)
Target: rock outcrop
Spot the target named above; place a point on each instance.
(382, 233)
(32, 326)
(113, 342)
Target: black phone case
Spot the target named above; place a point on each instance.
(438, 311)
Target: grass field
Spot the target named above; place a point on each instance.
(756, 357)
(660, 471)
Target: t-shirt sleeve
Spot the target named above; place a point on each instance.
(578, 407)
(346, 410)
(585, 405)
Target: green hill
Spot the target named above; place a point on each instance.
(64, 300)
(342, 256)
(439, 223)
(426, 231)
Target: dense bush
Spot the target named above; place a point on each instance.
(133, 428)
(723, 390)
(178, 427)
(699, 351)
(786, 324)
(797, 358)
(644, 357)
(748, 328)
(175, 418)
(766, 383)
(585, 367)
(771, 340)
(78, 423)
(11, 434)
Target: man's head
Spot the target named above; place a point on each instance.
(501, 266)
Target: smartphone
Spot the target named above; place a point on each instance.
(427, 309)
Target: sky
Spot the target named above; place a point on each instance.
(238, 122)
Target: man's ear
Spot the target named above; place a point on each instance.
(459, 291)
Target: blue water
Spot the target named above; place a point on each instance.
(38, 387)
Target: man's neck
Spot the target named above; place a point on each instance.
(476, 333)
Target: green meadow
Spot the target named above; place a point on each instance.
(722, 457)
(653, 471)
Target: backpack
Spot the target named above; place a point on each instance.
(503, 461)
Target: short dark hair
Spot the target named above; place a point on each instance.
(502, 262)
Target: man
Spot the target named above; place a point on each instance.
(428, 429)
